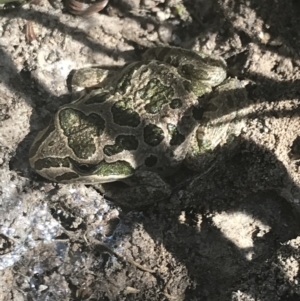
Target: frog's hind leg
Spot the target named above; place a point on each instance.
(201, 71)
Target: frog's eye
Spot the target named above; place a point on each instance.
(84, 168)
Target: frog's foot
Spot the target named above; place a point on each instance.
(142, 189)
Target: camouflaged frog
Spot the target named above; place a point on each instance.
(140, 123)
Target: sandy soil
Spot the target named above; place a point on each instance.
(229, 234)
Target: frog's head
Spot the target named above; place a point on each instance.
(67, 150)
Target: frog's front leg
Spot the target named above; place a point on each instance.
(142, 189)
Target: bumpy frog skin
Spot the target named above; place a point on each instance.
(142, 119)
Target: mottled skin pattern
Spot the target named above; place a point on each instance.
(134, 125)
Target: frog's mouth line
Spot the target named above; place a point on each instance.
(107, 171)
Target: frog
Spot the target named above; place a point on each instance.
(139, 124)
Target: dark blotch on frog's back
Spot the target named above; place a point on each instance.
(124, 115)
(153, 135)
(122, 142)
(151, 161)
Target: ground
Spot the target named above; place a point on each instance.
(231, 233)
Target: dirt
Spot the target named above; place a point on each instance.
(230, 233)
